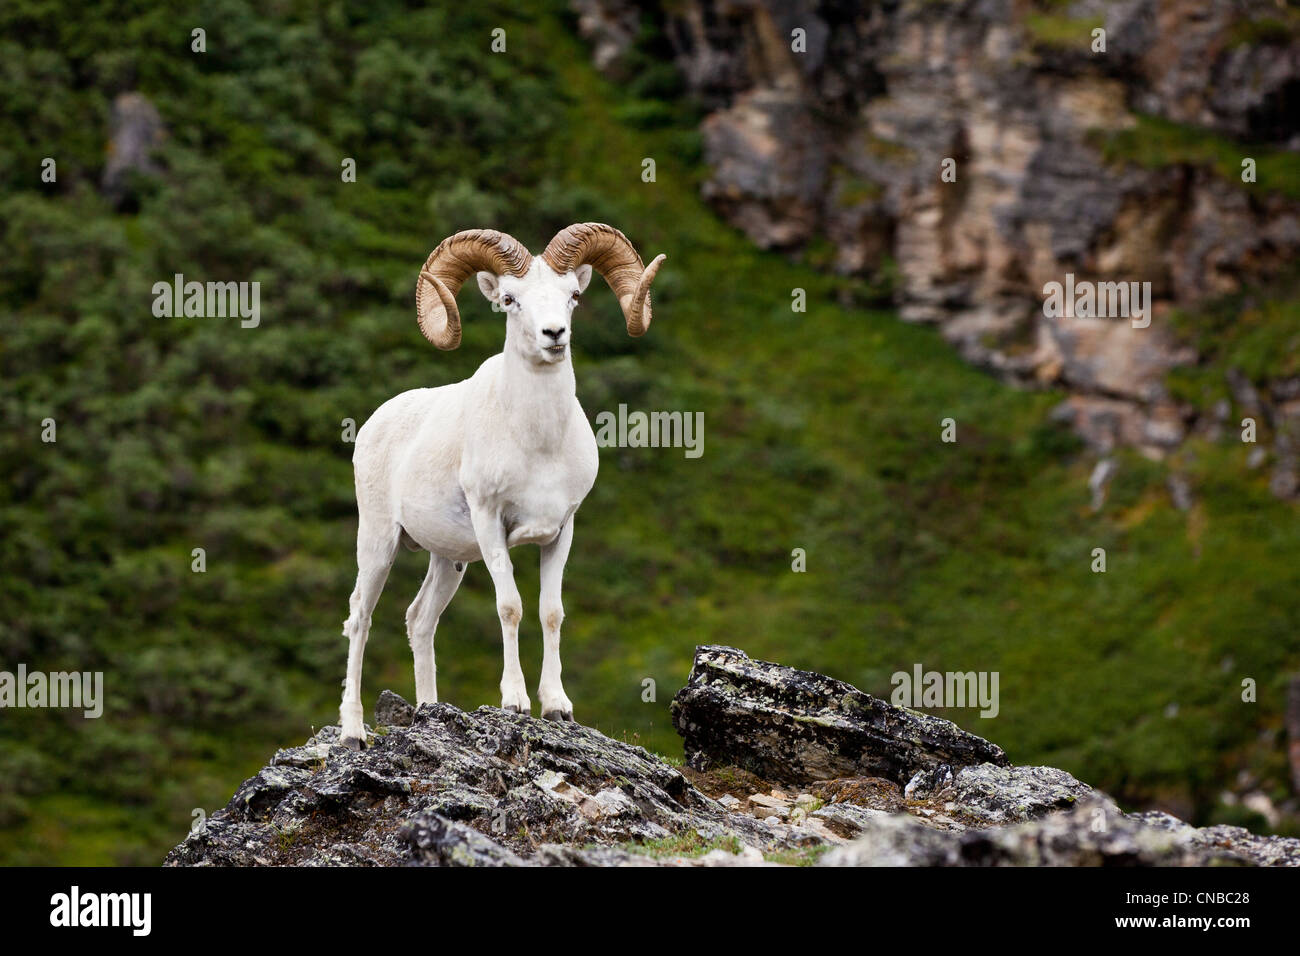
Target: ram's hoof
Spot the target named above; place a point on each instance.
(353, 743)
(560, 716)
(512, 709)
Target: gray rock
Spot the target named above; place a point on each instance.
(839, 146)
(490, 788)
(784, 724)
(457, 788)
(310, 757)
(1102, 475)
(927, 783)
(610, 26)
(1001, 795)
(392, 711)
(847, 819)
(433, 838)
(137, 130)
(1242, 844)
(1180, 491)
(261, 794)
(1090, 835)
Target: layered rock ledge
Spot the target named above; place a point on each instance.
(831, 148)
(783, 767)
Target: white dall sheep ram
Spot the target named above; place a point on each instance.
(504, 458)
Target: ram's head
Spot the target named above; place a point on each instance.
(537, 294)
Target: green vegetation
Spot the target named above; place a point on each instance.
(1155, 142)
(1062, 32)
(800, 856)
(688, 843)
(1281, 28)
(821, 433)
(1256, 332)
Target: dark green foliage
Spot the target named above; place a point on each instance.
(1256, 332)
(1155, 142)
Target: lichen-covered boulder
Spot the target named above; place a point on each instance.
(791, 725)
(786, 767)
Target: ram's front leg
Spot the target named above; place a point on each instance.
(491, 535)
(555, 703)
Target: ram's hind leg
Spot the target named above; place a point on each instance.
(436, 592)
(376, 548)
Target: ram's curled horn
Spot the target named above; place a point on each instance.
(454, 260)
(611, 254)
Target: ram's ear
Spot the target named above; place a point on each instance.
(583, 275)
(490, 285)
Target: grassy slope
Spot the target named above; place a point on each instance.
(822, 432)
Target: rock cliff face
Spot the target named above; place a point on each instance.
(784, 767)
(831, 121)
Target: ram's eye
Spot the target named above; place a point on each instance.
(507, 299)
(577, 296)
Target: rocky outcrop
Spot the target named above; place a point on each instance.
(812, 771)
(784, 725)
(831, 121)
(137, 130)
